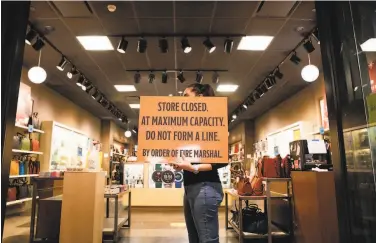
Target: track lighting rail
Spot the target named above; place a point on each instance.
(270, 80)
(177, 70)
(188, 35)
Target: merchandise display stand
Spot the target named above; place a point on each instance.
(111, 226)
(37, 181)
(273, 230)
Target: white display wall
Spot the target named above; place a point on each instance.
(278, 142)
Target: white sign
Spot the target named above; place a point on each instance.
(316, 146)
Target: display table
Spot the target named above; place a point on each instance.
(82, 207)
(273, 230)
(111, 226)
(315, 207)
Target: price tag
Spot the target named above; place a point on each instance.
(30, 128)
(322, 131)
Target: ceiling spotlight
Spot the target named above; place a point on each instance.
(164, 77)
(278, 73)
(234, 116)
(185, 45)
(123, 44)
(38, 45)
(96, 94)
(72, 72)
(134, 130)
(256, 95)
(80, 81)
(215, 78)
(245, 106)
(316, 36)
(30, 36)
(209, 45)
(295, 59)
(151, 78)
(263, 89)
(308, 46)
(163, 45)
(199, 77)
(89, 88)
(181, 77)
(142, 45)
(137, 77)
(102, 100)
(228, 45)
(63, 62)
(269, 82)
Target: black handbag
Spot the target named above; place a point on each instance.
(254, 220)
(23, 190)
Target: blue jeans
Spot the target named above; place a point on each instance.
(201, 203)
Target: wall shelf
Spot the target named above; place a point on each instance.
(26, 128)
(23, 176)
(25, 151)
(19, 201)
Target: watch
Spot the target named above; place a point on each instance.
(157, 176)
(195, 169)
(178, 179)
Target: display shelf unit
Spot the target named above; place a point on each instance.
(22, 176)
(25, 151)
(111, 226)
(19, 201)
(273, 230)
(26, 128)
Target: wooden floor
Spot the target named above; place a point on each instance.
(148, 225)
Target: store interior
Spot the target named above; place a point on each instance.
(80, 113)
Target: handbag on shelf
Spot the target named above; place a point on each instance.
(12, 191)
(22, 189)
(16, 144)
(35, 145)
(37, 167)
(22, 167)
(12, 194)
(270, 167)
(14, 167)
(254, 220)
(25, 144)
(35, 120)
(244, 186)
(30, 189)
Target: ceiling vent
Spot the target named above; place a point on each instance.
(280, 9)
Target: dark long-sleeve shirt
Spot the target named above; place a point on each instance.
(191, 178)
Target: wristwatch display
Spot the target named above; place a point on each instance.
(157, 176)
(178, 179)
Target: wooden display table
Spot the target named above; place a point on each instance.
(273, 230)
(111, 226)
(82, 207)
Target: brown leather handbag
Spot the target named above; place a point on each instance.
(244, 186)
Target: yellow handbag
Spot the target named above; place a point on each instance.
(14, 167)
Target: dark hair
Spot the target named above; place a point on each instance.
(202, 89)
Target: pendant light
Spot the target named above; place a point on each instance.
(128, 133)
(310, 72)
(37, 74)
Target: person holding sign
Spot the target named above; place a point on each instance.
(203, 189)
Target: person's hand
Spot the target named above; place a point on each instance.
(184, 165)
